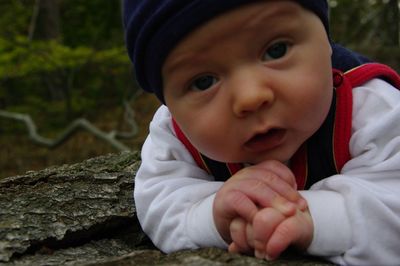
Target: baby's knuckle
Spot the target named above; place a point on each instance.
(234, 198)
(285, 230)
(274, 163)
(225, 202)
(261, 218)
(246, 173)
(256, 184)
(272, 178)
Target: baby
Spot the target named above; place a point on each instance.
(270, 134)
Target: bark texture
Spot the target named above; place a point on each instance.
(84, 214)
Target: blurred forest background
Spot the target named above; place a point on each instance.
(65, 76)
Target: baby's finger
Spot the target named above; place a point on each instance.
(282, 188)
(239, 237)
(264, 186)
(264, 224)
(242, 197)
(260, 192)
(296, 230)
(284, 235)
(235, 203)
(281, 179)
(233, 248)
(250, 235)
(280, 170)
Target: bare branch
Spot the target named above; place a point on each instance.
(69, 131)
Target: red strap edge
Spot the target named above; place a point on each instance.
(370, 71)
(234, 167)
(193, 151)
(354, 78)
(343, 117)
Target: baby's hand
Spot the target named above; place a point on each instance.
(242, 237)
(271, 233)
(274, 232)
(268, 184)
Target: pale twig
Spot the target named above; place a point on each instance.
(70, 130)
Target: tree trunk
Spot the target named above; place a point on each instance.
(84, 214)
(48, 29)
(48, 20)
(391, 23)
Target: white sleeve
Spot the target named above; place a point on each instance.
(356, 213)
(173, 196)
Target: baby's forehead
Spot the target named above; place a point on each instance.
(261, 19)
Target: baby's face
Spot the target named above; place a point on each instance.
(252, 84)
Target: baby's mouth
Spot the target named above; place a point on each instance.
(266, 141)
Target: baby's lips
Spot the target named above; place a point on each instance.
(266, 141)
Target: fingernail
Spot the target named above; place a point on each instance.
(302, 204)
(289, 208)
(259, 254)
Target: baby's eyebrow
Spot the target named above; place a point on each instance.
(184, 61)
(177, 63)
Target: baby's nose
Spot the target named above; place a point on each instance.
(250, 95)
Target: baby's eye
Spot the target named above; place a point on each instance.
(276, 51)
(203, 82)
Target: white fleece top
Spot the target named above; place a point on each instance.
(356, 214)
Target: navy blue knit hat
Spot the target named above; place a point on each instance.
(154, 27)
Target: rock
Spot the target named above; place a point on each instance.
(84, 214)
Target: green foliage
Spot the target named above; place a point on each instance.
(15, 17)
(91, 78)
(365, 23)
(55, 81)
(24, 58)
(95, 23)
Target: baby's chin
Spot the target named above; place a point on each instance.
(248, 161)
(261, 159)
(246, 158)
(286, 162)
